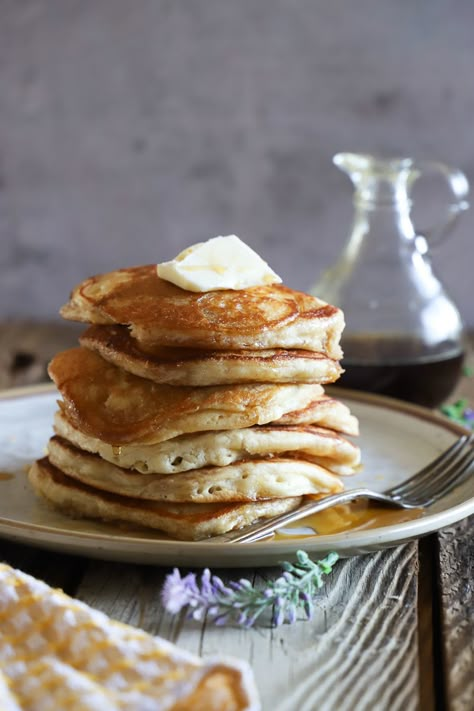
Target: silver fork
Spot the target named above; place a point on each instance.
(419, 491)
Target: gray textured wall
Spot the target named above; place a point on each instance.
(130, 129)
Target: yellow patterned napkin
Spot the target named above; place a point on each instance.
(58, 654)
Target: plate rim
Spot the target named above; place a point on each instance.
(160, 551)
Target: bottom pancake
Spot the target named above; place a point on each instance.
(181, 521)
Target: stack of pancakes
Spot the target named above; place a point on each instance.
(195, 413)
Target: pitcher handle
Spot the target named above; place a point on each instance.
(459, 188)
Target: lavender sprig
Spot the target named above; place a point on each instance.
(240, 602)
(460, 412)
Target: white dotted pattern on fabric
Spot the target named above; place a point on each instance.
(58, 653)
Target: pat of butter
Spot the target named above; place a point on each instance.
(219, 263)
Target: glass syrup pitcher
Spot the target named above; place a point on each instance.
(404, 336)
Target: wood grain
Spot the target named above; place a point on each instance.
(455, 561)
(456, 566)
(56, 569)
(359, 651)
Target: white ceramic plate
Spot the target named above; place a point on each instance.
(396, 440)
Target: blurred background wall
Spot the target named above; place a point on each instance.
(131, 129)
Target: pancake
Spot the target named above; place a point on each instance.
(158, 312)
(326, 412)
(182, 521)
(247, 480)
(180, 454)
(117, 407)
(193, 366)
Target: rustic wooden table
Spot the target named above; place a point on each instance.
(394, 629)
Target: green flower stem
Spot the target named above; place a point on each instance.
(240, 602)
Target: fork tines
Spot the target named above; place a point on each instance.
(439, 476)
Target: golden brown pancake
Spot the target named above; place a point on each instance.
(182, 521)
(326, 412)
(117, 407)
(247, 480)
(193, 366)
(218, 449)
(159, 312)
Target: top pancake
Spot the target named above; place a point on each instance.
(158, 312)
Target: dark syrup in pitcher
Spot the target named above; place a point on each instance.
(398, 371)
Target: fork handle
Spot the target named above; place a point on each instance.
(262, 529)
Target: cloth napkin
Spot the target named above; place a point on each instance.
(58, 654)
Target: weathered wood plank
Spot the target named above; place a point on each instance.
(456, 570)
(455, 561)
(430, 683)
(360, 650)
(27, 347)
(56, 569)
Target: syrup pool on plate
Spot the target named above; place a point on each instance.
(356, 516)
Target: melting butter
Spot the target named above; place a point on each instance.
(220, 263)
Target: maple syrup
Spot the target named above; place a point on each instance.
(356, 516)
(428, 383)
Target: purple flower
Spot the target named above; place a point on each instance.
(240, 602)
(219, 587)
(291, 613)
(197, 613)
(242, 584)
(308, 606)
(206, 586)
(178, 592)
(278, 612)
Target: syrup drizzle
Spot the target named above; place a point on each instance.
(356, 516)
